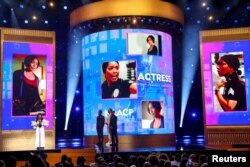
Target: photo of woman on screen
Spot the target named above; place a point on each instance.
(26, 97)
(113, 86)
(154, 108)
(152, 50)
(230, 91)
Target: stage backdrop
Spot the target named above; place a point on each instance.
(126, 53)
(221, 49)
(19, 47)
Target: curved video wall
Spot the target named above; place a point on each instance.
(129, 71)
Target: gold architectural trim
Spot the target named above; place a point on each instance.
(112, 8)
(20, 35)
(231, 34)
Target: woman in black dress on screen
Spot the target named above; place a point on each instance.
(152, 50)
(26, 98)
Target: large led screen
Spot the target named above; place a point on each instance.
(129, 71)
(27, 84)
(226, 85)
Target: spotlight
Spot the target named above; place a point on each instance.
(34, 17)
(77, 108)
(228, 8)
(204, 4)
(118, 20)
(4, 21)
(235, 21)
(208, 8)
(198, 21)
(193, 114)
(77, 91)
(65, 7)
(12, 9)
(26, 21)
(74, 69)
(43, 7)
(134, 21)
(187, 8)
(210, 18)
(217, 21)
(46, 22)
(51, 4)
(21, 6)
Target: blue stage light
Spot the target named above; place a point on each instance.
(74, 67)
(77, 108)
(190, 56)
(4, 21)
(43, 7)
(193, 114)
(65, 7)
(21, 6)
(77, 91)
(26, 21)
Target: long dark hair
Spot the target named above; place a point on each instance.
(29, 59)
(37, 116)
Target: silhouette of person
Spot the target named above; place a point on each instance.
(113, 128)
(100, 121)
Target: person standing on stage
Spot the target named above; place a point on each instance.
(108, 129)
(100, 120)
(39, 125)
(113, 128)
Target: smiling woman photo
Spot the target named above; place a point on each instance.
(154, 109)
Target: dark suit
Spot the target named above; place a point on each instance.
(113, 129)
(100, 120)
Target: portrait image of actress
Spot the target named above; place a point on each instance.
(230, 90)
(152, 50)
(26, 97)
(154, 108)
(115, 87)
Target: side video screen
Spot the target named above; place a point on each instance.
(27, 84)
(226, 85)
